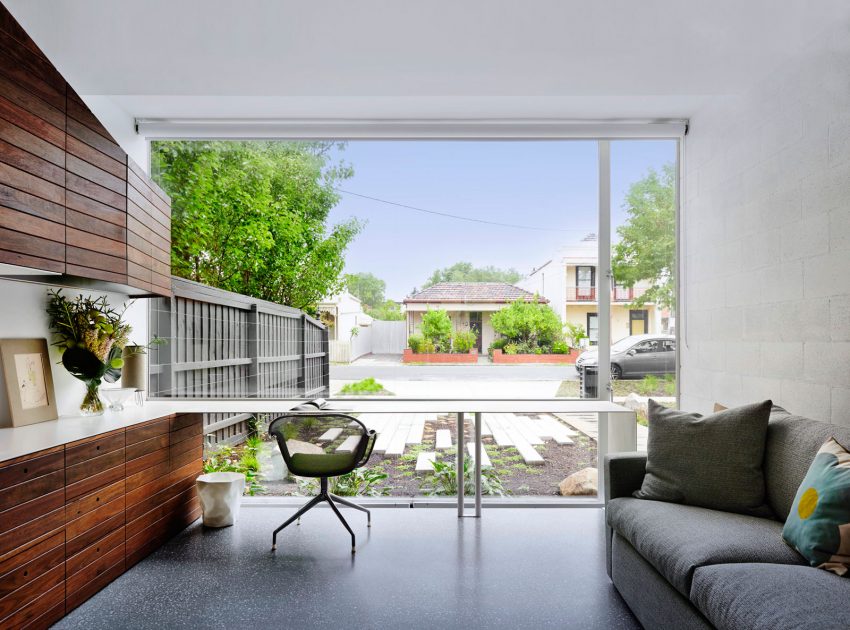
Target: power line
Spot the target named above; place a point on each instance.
(459, 217)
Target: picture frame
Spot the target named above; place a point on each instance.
(29, 381)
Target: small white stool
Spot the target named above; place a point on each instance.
(221, 494)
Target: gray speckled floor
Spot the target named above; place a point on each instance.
(415, 568)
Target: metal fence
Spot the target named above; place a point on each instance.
(227, 345)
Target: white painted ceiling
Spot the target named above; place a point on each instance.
(434, 58)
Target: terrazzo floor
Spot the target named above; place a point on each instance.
(415, 568)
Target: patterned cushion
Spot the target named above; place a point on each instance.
(819, 523)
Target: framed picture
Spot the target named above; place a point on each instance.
(29, 381)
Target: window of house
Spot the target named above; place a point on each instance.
(593, 328)
(585, 281)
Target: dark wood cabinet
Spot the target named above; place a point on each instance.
(75, 517)
(71, 201)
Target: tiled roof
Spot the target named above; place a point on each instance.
(497, 292)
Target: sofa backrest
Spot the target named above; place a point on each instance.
(792, 442)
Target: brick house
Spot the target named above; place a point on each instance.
(469, 305)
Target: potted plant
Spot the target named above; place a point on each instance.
(91, 336)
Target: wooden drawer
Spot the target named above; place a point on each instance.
(23, 469)
(26, 512)
(94, 551)
(192, 455)
(147, 475)
(32, 489)
(17, 540)
(92, 466)
(94, 577)
(153, 501)
(30, 569)
(142, 493)
(77, 508)
(147, 430)
(161, 510)
(145, 447)
(150, 460)
(185, 433)
(12, 603)
(184, 420)
(40, 613)
(193, 469)
(84, 450)
(155, 535)
(190, 444)
(87, 529)
(97, 480)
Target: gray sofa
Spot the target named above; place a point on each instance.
(679, 566)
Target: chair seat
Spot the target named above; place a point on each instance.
(324, 465)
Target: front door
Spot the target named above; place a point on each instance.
(475, 326)
(638, 322)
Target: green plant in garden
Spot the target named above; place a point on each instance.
(532, 324)
(366, 386)
(574, 334)
(363, 482)
(415, 342)
(389, 311)
(648, 386)
(511, 348)
(444, 480)
(226, 459)
(463, 341)
(670, 384)
(437, 328)
(560, 347)
(366, 287)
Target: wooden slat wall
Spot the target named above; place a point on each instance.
(70, 199)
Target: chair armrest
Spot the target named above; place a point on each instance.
(623, 474)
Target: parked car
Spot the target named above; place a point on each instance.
(637, 356)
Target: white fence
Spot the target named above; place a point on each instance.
(378, 338)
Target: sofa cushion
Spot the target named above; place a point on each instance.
(819, 523)
(710, 461)
(676, 539)
(792, 442)
(771, 597)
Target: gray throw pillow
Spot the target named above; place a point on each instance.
(709, 461)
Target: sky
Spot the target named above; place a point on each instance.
(550, 186)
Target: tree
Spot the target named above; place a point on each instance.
(251, 217)
(389, 311)
(528, 323)
(367, 288)
(466, 272)
(647, 246)
(437, 328)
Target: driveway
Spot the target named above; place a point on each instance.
(389, 367)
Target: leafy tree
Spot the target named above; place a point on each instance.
(389, 311)
(367, 288)
(466, 272)
(251, 217)
(529, 323)
(437, 328)
(575, 334)
(647, 246)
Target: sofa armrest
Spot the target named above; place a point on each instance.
(623, 474)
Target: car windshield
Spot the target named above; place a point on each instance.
(622, 345)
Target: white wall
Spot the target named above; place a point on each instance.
(766, 240)
(22, 315)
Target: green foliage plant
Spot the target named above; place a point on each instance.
(466, 272)
(574, 334)
(437, 328)
(463, 341)
(533, 324)
(226, 459)
(360, 482)
(367, 288)
(444, 480)
(366, 386)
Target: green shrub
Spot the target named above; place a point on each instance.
(648, 385)
(530, 323)
(511, 348)
(464, 341)
(363, 482)
(498, 344)
(414, 342)
(226, 459)
(444, 480)
(560, 347)
(575, 334)
(437, 327)
(366, 386)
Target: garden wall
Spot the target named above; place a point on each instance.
(501, 357)
(438, 357)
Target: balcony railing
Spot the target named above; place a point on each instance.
(589, 294)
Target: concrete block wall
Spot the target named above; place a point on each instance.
(766, 240)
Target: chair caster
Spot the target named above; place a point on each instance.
(274, 546)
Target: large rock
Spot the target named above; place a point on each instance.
(581, 483)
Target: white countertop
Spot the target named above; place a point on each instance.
(19, 441)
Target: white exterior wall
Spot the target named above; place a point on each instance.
(459, 314)
(766, 241)
(22, 315)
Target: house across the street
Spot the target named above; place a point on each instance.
(468, 304)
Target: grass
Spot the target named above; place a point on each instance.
(368, 386)
(647, 386)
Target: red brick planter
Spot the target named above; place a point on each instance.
(438, 357)
(501, 357)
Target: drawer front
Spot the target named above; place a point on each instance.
(25, 574)
(77, 508)
(147, 461)
(32, 489)
(183, 420)
(95, 481)
(92, 466)
(84, 531)
(193, 443)
(15, 561)
(94, 552)
(185, 433)
(137, 450)
(94, 577)
(147, 431)
(26, 469)
(15, 601)
(40, 613)
(17, 540)
(82, 451)
(192, 456)
(26, 512)
(141, 478)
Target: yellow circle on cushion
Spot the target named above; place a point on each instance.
(808, 503)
